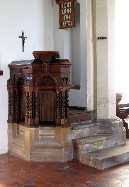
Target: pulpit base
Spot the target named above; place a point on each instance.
(41, 143)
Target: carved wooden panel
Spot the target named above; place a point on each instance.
(47, 106)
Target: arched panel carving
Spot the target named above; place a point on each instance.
(47, 81)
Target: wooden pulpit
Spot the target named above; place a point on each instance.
(38, 90)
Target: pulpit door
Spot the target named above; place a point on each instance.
(47, 102)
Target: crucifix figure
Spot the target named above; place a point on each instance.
(23, 40)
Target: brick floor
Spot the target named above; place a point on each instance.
(15, 172)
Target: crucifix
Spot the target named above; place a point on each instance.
(23, 40)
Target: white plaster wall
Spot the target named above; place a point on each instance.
(84, 96)
(76, 62)
(35, 18)
(79, 97)
(63, 43)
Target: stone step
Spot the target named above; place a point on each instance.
(88, 144)
(49, 151)
(46, 134)
(47, 145)
(84, 129)
(94, 143)
(46, 131)
(106, 158)
(49, 155)
(108, 127)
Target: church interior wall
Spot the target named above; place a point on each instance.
(35, 18)
(85, 94)
(75, 37)
(81, 94)
(63, 41)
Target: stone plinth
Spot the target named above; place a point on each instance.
(40, 144)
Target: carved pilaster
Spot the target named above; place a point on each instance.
(26, 116)
(58, 104)
(17, 104)
(29, 108)
(63, 105)
(36, 108)
(30, 105)
(66, 103)
(11, 106)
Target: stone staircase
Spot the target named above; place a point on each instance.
(100, 144)
(107, 157)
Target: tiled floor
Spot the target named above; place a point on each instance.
(15, 172)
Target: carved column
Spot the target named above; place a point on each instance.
(62, 104)
(17, 104)
(66, 103)
(58, 107)
(13, 104)
(29, 108)
(36, 108)
(62, 107)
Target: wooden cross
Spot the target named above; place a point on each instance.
(23, 40)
